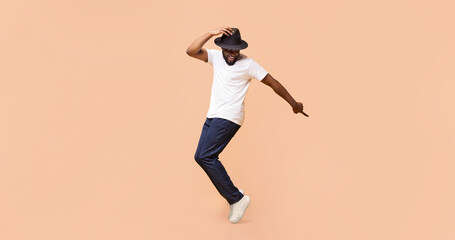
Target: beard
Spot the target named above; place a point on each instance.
(230, 63)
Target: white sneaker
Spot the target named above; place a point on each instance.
(238, 209)
(230, 206)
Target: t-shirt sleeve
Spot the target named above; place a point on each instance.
(256, 71)
(210, 54)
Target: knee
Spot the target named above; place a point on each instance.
(198, 158)
(202, 159)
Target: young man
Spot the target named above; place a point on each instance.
(232, 72)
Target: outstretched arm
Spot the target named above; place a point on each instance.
(297, 107)
(195, 49)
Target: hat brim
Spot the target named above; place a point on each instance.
(242, 45)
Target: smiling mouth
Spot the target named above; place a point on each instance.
(231, 58)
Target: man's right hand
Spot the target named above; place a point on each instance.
(195, 49)
(223, 29)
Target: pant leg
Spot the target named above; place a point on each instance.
(215, 136)
(205, 129)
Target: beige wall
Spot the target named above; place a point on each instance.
(101, 111)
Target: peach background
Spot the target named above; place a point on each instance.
(101, 111)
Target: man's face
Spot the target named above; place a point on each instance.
(230, 56)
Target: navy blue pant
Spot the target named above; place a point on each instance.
(216, 134)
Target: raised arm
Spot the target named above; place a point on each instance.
(297, 107)
(195, 49)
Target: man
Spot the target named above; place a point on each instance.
(232, 72)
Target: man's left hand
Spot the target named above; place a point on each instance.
(298, 108)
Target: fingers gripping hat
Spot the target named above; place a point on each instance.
(233, 41)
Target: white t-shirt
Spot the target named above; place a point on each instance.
(230, 85)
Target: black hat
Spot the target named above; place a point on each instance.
(233, 41)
